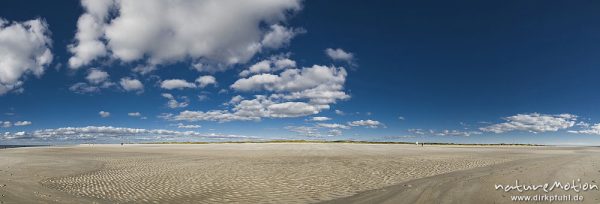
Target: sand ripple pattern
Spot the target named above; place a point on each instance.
(291, 179)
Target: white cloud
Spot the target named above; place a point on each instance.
(255, 82)
(235, 100)
(280, 63)
(333, 126)
(254, 109)
(5, 124)
(593, 130)
(176, 84)
(203, 97)
(298, 92)
(83, 88)
(260, 67)
(24, 49)
(457, 133)
(130, 84)
(444, 132)
(401, 118)
(134, 114)
(417, 131)
(97, 80)
(96, 76)
(366, 123)
(22, 123)
(180, 125)
(103, 114)
(279, 36)
(173, 103)
(112, 134)
(533, 122)
(339, 55)
(310, 131)
(293, 79)
(334, 132)
(220, 33)
(275, 63)
(90, 28)
(583, 124)
(320, 118)
(339, 112)
(213, 115)
(304, 130)
(318, 84)
(144, 69)
(292, 109)
(204, 81)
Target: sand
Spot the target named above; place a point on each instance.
(283, 173)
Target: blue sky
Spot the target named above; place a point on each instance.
(436, 71)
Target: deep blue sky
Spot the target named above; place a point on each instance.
(441, 65)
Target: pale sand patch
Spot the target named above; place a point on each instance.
(243, 173)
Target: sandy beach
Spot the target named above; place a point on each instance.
(287, 173)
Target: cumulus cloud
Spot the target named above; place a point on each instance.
(273, 64)
(456, 133)
(444, 132)
(253, 109)
(279, 36)
(24, 49)
(83, 88)
(234, 100)
(333, 125)
(134, 114)
(112, 134)
(5, 124)
(22, 123)
(319, 118)
(96, 80)
(218, 33)
(181, 125)
(533, 122)
(417, 131)
(291, 109)
(171, 84)
(212, 115)
(319, 84)
(331, 130)
(339, 55)
(96, 76)
(104, 114)
(173, 103)
(590, 130)
(204, 81)
(583, 124)
(334, 132)
(306, 131)
(292, 92)
(366, 123)
(293, 79)
(129, 84)
(90, 28)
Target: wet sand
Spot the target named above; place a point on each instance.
(283, 173)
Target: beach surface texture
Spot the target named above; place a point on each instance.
(290, 173)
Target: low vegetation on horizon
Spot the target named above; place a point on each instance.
(345, 142)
